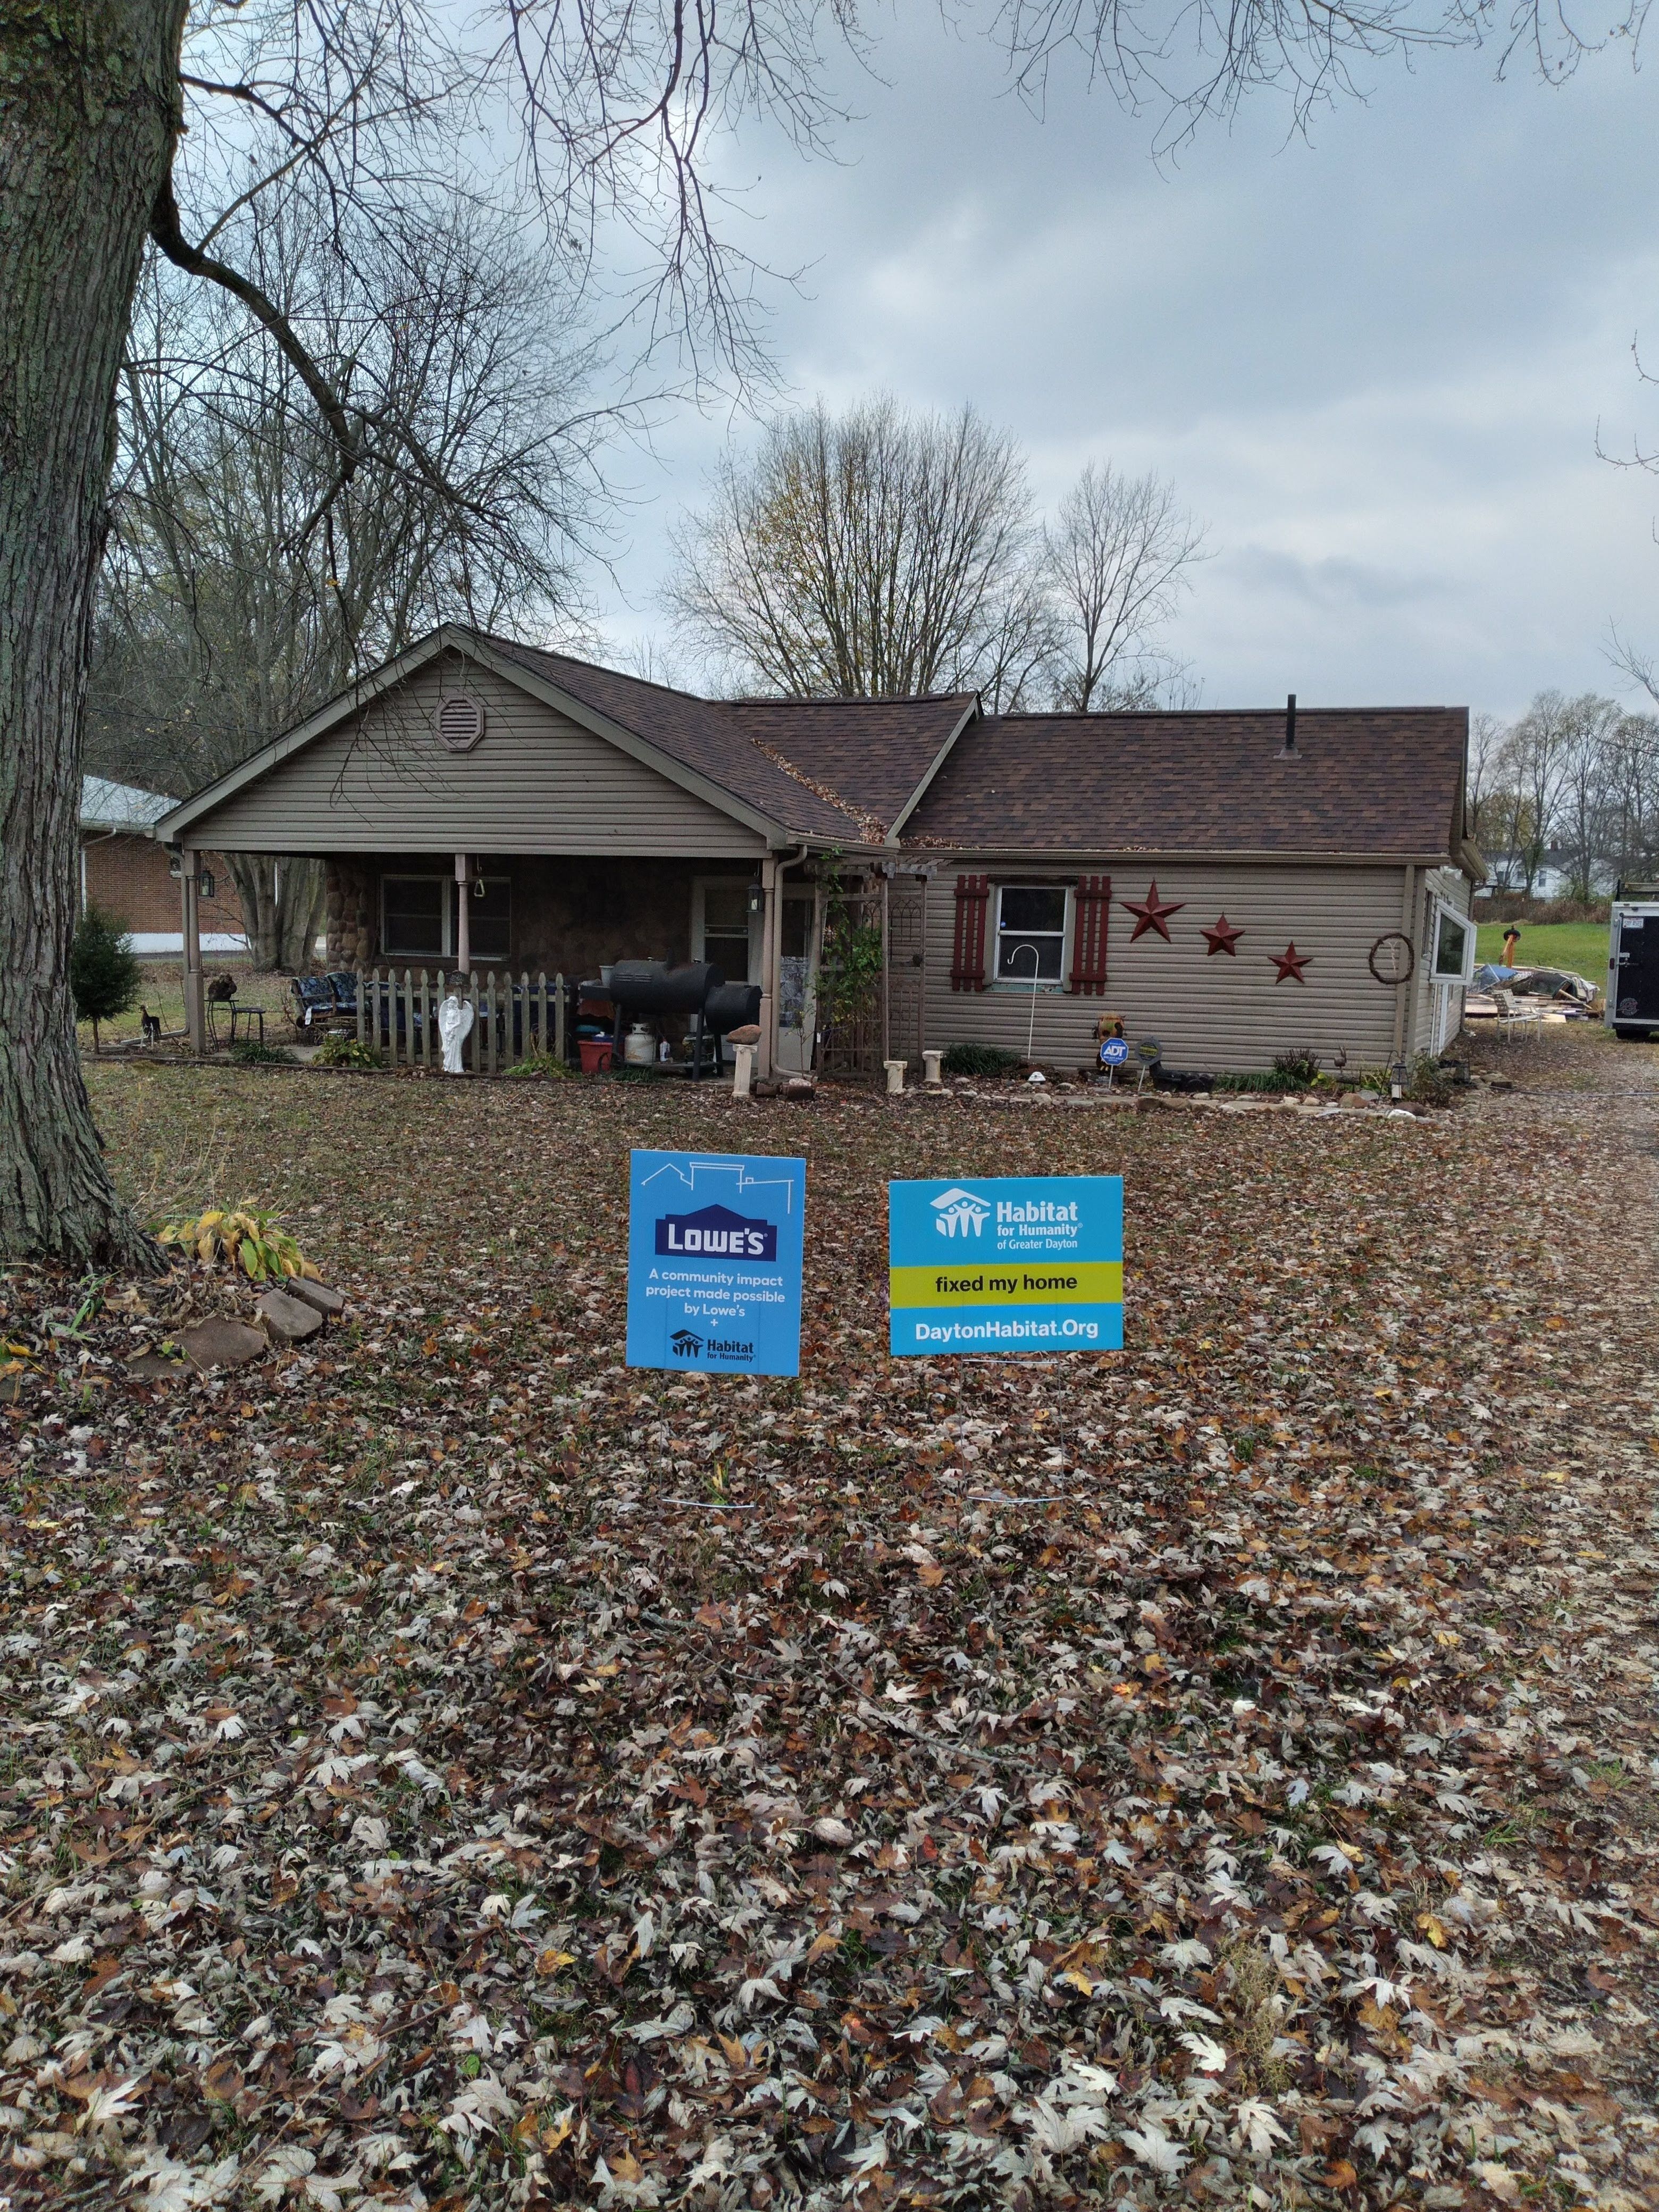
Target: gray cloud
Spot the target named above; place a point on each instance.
(1374, 362)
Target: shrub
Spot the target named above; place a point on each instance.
(103, 972)
(541, 1063)
(242, 1237)
(1429, 1084)
(346, 1052)
(252, 1054)
(1301, 1064)
(980, 1060)
(1261, 1079)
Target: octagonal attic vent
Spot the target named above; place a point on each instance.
(460, 722)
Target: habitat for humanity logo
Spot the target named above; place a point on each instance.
(717, 1230)
(685, 1344)
(959, 1213)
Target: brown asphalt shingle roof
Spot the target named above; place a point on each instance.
(698, 732)
(873, 753)
(1382, 780)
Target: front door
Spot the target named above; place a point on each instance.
(798, 979)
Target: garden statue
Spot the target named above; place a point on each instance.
(454, 1027)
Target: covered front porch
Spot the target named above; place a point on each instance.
(521, 935)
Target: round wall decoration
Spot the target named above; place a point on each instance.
(461, 720)
(1392, 959)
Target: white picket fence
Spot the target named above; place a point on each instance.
(512, 1019)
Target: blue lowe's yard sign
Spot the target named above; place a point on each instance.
(714, 1263)
(1014, 1263)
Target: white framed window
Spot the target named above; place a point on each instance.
(1031, 920)
(416, 917)
(1451, 951)
(723, 929)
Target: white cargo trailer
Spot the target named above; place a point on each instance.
(1633, 966)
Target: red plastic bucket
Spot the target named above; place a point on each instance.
(596, 1053)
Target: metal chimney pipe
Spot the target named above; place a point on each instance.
(1287, 750)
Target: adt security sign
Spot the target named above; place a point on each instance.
(1026, 1263)
(714, 1263)
(1114, 1052)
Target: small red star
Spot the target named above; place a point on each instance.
(1223, 938)
(1290, 964)
(1153, 911)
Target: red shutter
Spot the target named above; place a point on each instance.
(968, 953)
(1094, 906)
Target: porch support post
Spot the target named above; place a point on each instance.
(463, 919)
(195, 994)
(767, 1052)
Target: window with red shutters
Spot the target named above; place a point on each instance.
(968, 950)
(1094, 906)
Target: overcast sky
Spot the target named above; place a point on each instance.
(1374, 361)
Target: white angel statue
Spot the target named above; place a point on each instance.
(454, 1027)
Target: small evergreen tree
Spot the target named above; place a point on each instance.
(104, 971)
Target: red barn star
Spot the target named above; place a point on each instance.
(1223, 938)
(1154, 913)
(1290, 964)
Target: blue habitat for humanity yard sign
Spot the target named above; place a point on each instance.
(714, 1263)
(1009, 1263)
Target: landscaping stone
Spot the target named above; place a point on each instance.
(287, 1320)
(155, 1367)
(327, 1300)
(219, 1343)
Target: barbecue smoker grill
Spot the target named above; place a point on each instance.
(650, 988)
(1632, 1008)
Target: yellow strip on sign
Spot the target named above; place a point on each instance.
(1010, 1283)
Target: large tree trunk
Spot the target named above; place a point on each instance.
(281, 908)
(88, 96)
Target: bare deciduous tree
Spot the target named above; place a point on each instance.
(242, 587)
(1119, 558)
(1576, 779)
(878, 552)
(873, 554)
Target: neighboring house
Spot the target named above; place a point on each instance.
(125, 872)
(1231, 895)
(1551, 877)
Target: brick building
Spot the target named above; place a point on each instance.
(125, 872)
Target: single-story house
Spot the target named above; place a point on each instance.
(125, 872)
(1234, 883)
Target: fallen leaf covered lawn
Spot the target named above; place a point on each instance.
(448, 1767)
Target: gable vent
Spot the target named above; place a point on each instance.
(460, 722)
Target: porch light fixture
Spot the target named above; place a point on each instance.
(756, 898)
(460, 722)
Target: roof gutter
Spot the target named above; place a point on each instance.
(963, 854)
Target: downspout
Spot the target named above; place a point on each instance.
(1407, 983)
(772, 874)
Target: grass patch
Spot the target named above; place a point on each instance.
(1580, 946)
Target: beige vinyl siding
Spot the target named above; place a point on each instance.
(1435, 887)
(536, 782)
(1211, 1012)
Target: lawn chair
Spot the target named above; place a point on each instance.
(245, 1022)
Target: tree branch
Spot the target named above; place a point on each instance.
(170, 239)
